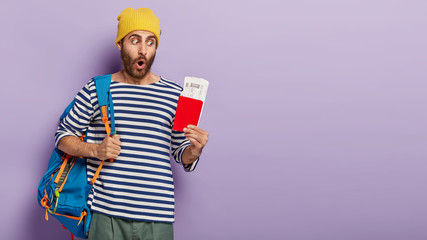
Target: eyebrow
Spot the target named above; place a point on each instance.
(139, 36)
(135, 35)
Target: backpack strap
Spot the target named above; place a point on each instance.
(105, 102)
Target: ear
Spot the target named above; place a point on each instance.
(119, 45)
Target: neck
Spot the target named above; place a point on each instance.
(149, 78)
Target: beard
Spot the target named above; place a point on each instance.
(130, 68)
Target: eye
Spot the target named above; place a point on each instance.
(150, 42)
(135, 41)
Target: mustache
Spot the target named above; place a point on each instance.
(139, 58)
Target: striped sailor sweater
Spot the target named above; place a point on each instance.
(138, 185)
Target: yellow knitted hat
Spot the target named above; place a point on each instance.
(139, 19)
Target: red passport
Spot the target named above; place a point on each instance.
(187, 112)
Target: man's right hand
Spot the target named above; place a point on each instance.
(109, 148)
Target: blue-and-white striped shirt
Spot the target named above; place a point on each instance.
(138, 185)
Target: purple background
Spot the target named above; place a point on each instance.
(316, 112)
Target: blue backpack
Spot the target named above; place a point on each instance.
(64, 189)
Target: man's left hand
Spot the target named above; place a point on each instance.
(198, 139)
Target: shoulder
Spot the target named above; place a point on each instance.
(90, 83)
(88, 90)
(170, 84)
(88, 87)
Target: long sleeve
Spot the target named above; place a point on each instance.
(78, 119)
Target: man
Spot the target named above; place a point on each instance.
(133, 197)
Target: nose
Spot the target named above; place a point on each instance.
(143, 50)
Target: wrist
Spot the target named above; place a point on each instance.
(190, 155)
(94, 150)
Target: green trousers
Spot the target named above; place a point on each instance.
(103, 227)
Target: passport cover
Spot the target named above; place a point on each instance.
(187, 112)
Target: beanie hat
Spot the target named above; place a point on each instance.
(139, 19)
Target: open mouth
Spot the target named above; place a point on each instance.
(140, 64)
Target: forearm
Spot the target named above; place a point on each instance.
(74, 146)
(190, 155)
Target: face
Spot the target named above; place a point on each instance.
(138, 50)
